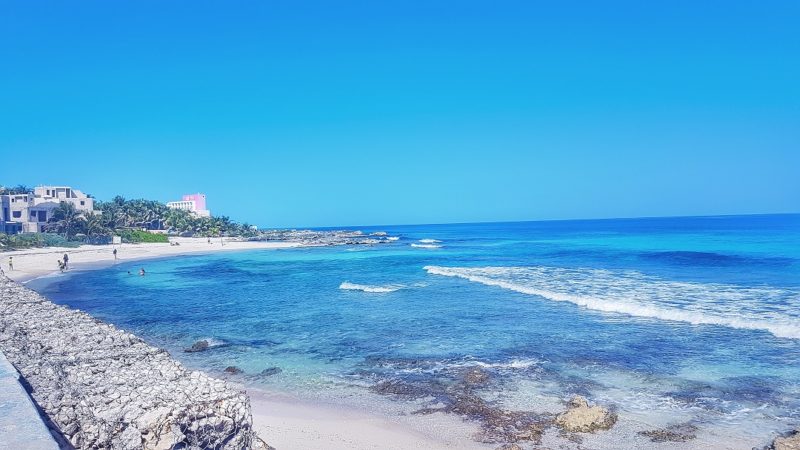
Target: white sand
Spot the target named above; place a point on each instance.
(285, 423)
(290, 424)
(37, 262)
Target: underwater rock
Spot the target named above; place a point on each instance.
(582, 418)
(198, 346)
(476, 375)
(233, 370)
(269, 371)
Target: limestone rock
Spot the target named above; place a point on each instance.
(105, 388)
(582, 418)
(791, 442)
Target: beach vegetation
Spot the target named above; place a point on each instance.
(34, 240)
(140, 236)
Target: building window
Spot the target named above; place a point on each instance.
(16, 214)
(83, 203)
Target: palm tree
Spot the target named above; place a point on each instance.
(65, 218)
(95, 225)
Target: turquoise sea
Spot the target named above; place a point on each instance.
(668, 320)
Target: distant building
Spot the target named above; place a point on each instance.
(29, 213)
(194, 203)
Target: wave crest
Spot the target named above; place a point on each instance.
(348, 286)
(426, 246)
(635, 294)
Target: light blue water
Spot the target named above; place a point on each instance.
(669, 320)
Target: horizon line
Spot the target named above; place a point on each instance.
(550, 220)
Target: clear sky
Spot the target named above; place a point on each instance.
(293, 113)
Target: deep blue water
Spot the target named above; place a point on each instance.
(670, 320)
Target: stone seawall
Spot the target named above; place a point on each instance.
(102, 387)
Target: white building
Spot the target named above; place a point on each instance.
(29, 213)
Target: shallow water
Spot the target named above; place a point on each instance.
(668, 320)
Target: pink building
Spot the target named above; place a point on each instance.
(198, 199)
(195, 203)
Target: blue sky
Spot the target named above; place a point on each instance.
(299, 113)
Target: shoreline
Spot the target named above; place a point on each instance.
(282, 420)
(34, 263)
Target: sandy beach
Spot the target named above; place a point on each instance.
(282, 421)
(37, 262)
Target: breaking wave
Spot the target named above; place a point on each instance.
(430, 241)
(426, 245)
(776, 310)
(348, 286)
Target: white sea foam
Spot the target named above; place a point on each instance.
(214, 342)
(392, 238)
(372, 289)
(426, 246)
(776, 310)
(430, 241)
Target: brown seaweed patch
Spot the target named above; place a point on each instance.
(674, 433)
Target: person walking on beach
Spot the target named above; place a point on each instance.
(60, 265)
(10, 263)
(115, 254)
(66, 261)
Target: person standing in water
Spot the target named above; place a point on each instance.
(141, 272)
(115, 254)
(66, 261)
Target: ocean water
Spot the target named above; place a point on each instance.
(669, 320)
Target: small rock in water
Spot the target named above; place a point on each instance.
(198, 346)
(269, 371)
(582, 418)
(233, 370)
(790, 442)
(673, 433)
(476, 375)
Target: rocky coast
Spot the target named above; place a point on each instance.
(101, 387)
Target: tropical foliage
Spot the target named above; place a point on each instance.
(129, 219)
(120, 213)
(32, 240)
(137, 236)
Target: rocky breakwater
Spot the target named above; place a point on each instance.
(104, 388)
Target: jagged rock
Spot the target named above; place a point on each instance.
(269, 371)
(198, 346)
(509, 447)
(233, 370)
(476, 375)
(673, 433)
(105, 388)
(582, 418)
(790, 442)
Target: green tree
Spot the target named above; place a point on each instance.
(66, 219)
